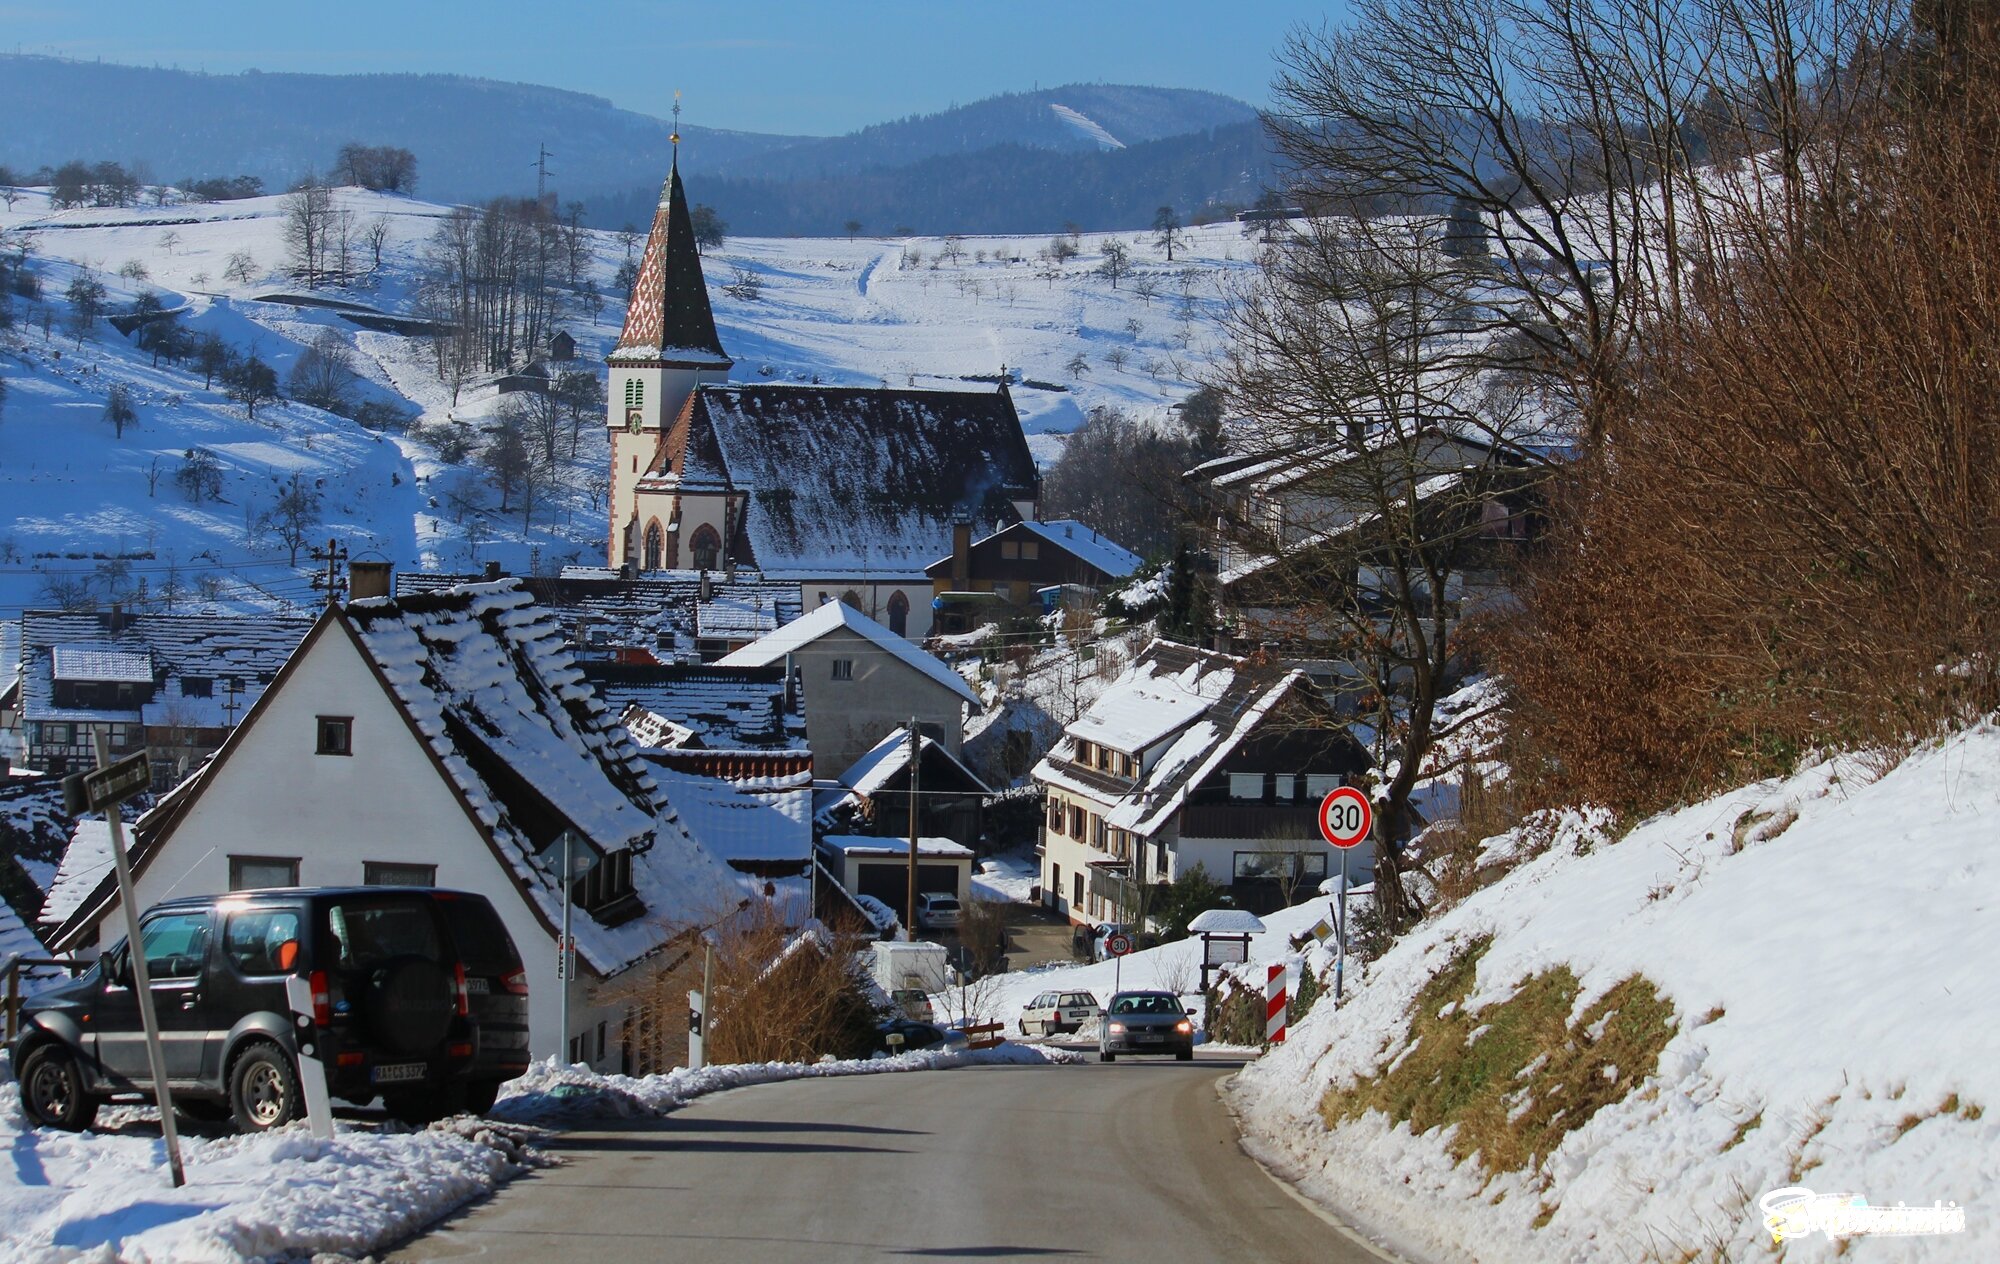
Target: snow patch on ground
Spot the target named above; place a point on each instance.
(1833, 987)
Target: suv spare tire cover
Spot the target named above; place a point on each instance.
(409, 1004)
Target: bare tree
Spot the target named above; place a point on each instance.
(1349, 354)
(1117, 263)
(240, 268)
(293, 515)
(309, 220)
(118, 409)
(1166, 230)
(323, 375)
(581, 396)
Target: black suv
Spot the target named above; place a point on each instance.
(417, 997)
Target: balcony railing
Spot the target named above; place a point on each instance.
(1250, 820)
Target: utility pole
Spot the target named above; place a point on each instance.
(916, 766)
(542, 156)
(333, 583)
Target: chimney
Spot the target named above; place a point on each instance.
(791, 696)
(961, 556)
(492, 571)
(367, 579)
(707, 589)
(117, 623)
(628, 570)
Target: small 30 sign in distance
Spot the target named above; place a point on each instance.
(1345, 817)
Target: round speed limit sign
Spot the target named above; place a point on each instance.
(1345, 817)
(1118, 945)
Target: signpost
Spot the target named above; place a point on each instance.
(103, 790)
(1345, 818)
(1116, 945)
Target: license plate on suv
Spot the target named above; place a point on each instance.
(397, 1073)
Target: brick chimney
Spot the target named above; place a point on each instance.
(367, 579)
(492, 571)
(961, 556)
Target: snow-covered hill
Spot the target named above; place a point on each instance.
(1615, 1052)
(848, 311)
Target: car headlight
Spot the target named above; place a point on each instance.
(1184, 1027)
(1117, 1029)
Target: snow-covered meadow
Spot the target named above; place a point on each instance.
(862, 311)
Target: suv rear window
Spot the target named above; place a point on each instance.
(263, 941)
(368, 930)
(483, 942)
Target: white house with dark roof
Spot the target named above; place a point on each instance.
(847, 492)
(1192, 758)
(862, 681)
(444, 739)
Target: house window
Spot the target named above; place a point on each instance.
(197, 687)
(1084, 751)
(843, 669)
(1076, 900)
(899, 613)
(336, 735)
(1099, 837)
(1246, 785)
(705, 548)
(1103, 758)
(1009, 550)
(1030, 550)
(255, 873)
(1321, 784)
(656, 546)
(56, 734)
(1055, 817)
(1075, 822)
(389, 873)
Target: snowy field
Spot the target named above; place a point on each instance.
(104, 1195)
(866, 311)
(1827, 943)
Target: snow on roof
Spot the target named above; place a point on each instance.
(881, 764)
(10, 655)
(209, 650)
(15, 937)
(484, 675)
(1226, 921)
(658, 610)
(736, 824)
(1101, 551)
(720, 707)
(802, 632)
(1254, 563)
(732, 618)
(84, 864)
(1207, 703)
(869, 845)
(846, 481)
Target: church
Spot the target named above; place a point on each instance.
(848, 492)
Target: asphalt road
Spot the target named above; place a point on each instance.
(1136, 1161)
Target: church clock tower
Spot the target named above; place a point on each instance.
(667, 349)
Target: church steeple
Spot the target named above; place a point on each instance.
(669, 318)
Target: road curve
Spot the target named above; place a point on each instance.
(1134, 1161)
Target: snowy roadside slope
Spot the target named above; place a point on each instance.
(1838, 1028)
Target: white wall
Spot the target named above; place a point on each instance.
(846, 718)
(874, 600)
(276, 797)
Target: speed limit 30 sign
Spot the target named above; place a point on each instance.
(1345, 817)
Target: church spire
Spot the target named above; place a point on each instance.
(669, 317)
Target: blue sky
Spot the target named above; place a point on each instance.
(801, 66)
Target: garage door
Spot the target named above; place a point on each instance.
(889, 881)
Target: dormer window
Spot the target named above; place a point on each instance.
(197, 687)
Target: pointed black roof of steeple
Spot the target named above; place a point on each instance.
(669, 317)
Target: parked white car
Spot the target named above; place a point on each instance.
(937, 911)
(1054, 1012)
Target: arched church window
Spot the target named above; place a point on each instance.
(705, 548)
(899, 613)
(852, 598)
(656, 545)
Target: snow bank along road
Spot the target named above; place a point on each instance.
(1137, 1161)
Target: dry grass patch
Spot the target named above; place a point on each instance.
(1517, 1076)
